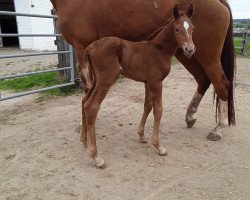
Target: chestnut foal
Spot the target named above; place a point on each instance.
(147, 61)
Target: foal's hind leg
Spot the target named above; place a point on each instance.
(91, 108)
(195, 68)
(83, 131)
(148, 105)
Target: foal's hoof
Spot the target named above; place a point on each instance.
(162, 151)
(143, 139)
(215, 135)
(84, 142)
(99, 162)
(190, 122)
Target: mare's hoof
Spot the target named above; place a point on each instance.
(162, 151)
(190, 122)
(215, 135)
(99, 162)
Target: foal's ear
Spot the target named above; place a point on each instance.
(176, 11)
(190, 11)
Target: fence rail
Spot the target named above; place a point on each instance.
(29, 35)
(70, 52)
(7, 13)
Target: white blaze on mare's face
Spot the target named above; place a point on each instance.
(186, 26)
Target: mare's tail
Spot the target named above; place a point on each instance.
(228, 63)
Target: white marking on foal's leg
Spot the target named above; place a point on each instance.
(186, 26)
(215, 134)
(99, 162)
(192, 109)
(162, 151)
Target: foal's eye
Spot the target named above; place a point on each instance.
(177, 30)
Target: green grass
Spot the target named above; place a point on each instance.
(39, 81)
(238, 43)
(175, 61)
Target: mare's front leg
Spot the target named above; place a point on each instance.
(148, 105)
(215, 134)
(196, 69)
(192, 109)
(156, 90)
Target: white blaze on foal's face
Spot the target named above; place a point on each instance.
(186, 26)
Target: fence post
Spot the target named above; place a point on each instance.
(1, 39)
(63, 59)
(244, 43)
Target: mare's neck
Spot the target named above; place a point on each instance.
(165, 39)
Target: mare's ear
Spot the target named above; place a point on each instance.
(190, 11)
(176, 12)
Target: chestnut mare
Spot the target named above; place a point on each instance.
(145, 61)
(85, 21)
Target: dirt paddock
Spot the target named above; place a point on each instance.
(42, 157)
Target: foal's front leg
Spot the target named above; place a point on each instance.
(156, 89)
(148, 105)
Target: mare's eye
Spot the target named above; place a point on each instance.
(177, 30)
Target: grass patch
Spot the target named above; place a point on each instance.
(39, 81)
(238, 45)
(175, 61)
(30, 82)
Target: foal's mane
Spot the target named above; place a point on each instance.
(155, 33)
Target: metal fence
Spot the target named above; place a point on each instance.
(243, 39)
(70, 68)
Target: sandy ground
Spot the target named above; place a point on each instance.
(42, 158)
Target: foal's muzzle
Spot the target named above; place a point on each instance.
(189, 50)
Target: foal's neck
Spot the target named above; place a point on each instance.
(165, 39)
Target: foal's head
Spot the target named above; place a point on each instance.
(183, 29)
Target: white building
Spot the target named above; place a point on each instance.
(28, 25)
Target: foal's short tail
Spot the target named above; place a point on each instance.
(86, 72)
(228, 63)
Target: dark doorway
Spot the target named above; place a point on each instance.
(8, 24)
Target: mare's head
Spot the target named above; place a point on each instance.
(183, 29)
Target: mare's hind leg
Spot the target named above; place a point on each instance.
(80, 51)
(215, 134)
(156, 90)
(148, 105)
(214, 70)
(195, 68)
